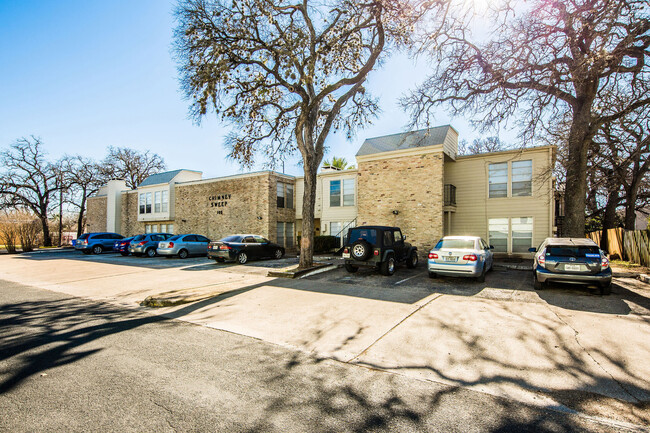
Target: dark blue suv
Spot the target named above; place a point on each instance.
(96, 243)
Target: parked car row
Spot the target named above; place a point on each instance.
(239, 248)
(567, 260)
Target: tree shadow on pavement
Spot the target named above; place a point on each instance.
(39, 335)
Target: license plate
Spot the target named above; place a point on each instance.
(346, 255)
(450, 258)
(571, 267)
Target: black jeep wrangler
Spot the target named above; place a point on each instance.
(378, 246)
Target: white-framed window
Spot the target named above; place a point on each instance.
(335, 228)
(157, 201)
(342, 192)
(510, 235)
(164, 201)
(145, 202)
(151, 228)
(522, 178)
(522, 234)
(498, 234)
(498, 180)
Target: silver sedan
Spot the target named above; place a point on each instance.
(460, 256)
(184, 245)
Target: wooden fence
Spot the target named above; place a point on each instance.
(631, 245)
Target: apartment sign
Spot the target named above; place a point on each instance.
(219, 201)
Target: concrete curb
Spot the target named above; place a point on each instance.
(644, 278)
(294, 272)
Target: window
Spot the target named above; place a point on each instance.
(348, 192)
(498, 228)
(388, 239)
(165, 201)
(280, 194)
(280, 233)
(289, 193)
(498, 180)
(522, 178)
(456, 244)
(335, 193)
(369, 235)
(398, 236)
(249, 240)
(335, 228)
(522, 234)
(285, 195)
(342, 189)
(170, 228)
(156, 201)
(163, 228)
(288, 235)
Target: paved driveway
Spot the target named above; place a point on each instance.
(563, 347)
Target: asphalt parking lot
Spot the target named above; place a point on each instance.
(565, 345)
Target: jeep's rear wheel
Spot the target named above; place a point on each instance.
(351, 268)
(388, 266)
(360, 250)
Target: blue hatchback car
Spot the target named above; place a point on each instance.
(96, 243)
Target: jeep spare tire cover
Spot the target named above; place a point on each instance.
(360, 250)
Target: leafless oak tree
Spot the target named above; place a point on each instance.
(83, 178)
(286, 73)
(29, 181)
(131, 165)
(546, 58)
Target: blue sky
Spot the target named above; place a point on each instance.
(87, 75)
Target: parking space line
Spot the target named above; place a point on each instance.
(406, 279)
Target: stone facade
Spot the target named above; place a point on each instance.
(406, 192)
(130, 224)
(219, 207)
(96, 214)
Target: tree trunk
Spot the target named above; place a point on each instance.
(80, 218)
(308, 204)
(575, 198)
(47, 242)
(630, 206)
(609, 218)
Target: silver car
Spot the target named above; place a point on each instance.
(461, 256)
(184, 246)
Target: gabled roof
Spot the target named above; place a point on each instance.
(405, 140)
(158, 178)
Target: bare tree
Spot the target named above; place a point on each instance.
(29, 181)
(83, 178)
(131, 165)
(481, 145)
(547, 58)
(286, 73)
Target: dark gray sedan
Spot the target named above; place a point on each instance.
(184, 246)
(571, 260)
(147, 244)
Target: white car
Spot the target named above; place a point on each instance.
(461, 256)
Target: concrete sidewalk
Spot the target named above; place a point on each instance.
(556, 349)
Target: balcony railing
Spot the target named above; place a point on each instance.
(449, 195)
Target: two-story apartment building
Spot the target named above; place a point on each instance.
(412, 180)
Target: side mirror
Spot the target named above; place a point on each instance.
(532, 250)
(403, 237)
(491, 247)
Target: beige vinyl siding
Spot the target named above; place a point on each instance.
(473, 207)
(450, 146)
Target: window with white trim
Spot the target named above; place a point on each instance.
(145, 202)
(498, 180)
(522, 178)
(342, 192)
(510, 235)
(498, 234)
(522, 234)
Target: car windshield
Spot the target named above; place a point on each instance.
(231, 239)
(456, 244)
(174, 238)
(369, 235)
(83, 236)
(138, 238)
(572, 251)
